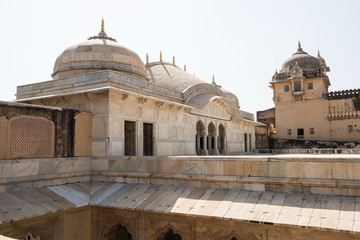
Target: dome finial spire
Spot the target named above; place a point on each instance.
(160, 56)
(299, 46)
(185, 67)
(173, 59)
(147, 58)
(318, 53)
(102, 25)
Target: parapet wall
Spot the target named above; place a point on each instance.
(298, 173)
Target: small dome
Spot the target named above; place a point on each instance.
(302, 59)
(322, 60)
(98, 53)
(171, 76)
(231, 96)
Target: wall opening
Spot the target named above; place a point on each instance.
(211, 138)
(245, 143)
(300, 133)
(199, 138)
(148, 139)
(221, 139)
(297, 86)
(117, 232)
(170, 235)
(250, 143)
(130, 138)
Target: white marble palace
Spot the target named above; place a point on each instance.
(139, 109)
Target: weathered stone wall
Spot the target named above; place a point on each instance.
(174, 131)
(153, 226)
(33, 133)
(95, 223)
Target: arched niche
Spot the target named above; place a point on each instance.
(221, 139)
(116, 232)
(200, 138)
(169, 235)
(211, 139)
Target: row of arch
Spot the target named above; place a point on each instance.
(119, 232)
(208, 140)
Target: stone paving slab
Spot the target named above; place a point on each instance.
(302, 210)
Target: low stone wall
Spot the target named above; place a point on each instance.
(327, 174)
(306, 146)
(318, 174)
(310, 151)
(32, 173)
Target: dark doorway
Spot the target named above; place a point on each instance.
(221, 139)
(148, 139)
(300, 133)
(130, 138)
(199, 138)
(250, 143)
(117, 233)
(170, 235)
(245, 142)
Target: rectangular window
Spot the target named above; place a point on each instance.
(250, 143)
(286, 88)
(297, 86)
(300, 133)
(245, 143)
(130, 138)
(311, 130)
(310, 86)
(148, 139)
(289, 132)
(350, 128)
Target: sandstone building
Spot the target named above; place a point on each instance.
(114, 149)
(305, 109)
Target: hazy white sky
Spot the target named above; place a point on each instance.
(240, 42)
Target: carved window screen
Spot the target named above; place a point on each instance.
(31, 137)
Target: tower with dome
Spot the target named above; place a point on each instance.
(306, 110)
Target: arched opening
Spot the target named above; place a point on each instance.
(117, 232)
(170, 235)
(199, 139)
(211, 139)
(221, 139)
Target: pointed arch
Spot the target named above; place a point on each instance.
(221, 139)
(117, 232)
(200, 138)
(211, 146)
(167, 233)
(170, 235)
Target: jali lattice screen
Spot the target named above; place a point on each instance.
(31, 137)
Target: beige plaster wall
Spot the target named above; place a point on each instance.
(83, 134)
(314, 111)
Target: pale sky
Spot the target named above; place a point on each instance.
(241, 42)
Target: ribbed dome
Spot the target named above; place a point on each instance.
(98, 53)
(302, 59)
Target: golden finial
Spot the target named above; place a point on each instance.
(160, 56)
(213, 80)
(185, 67)
(102, 25)
(147, 58)
(318, 53)
(173, 60)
